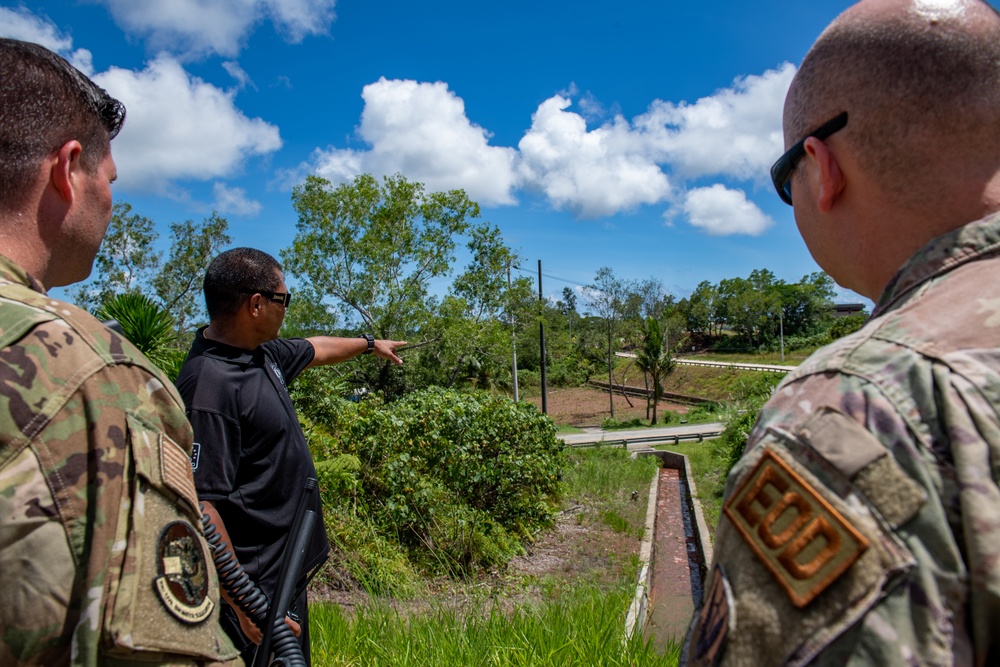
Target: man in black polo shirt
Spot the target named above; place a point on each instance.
(250, 456)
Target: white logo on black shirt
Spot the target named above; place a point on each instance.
(277, 371)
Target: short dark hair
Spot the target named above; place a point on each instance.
(911, 88)
(232, 274)
(45, 102)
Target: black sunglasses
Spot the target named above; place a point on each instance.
(284, 298)
(781, 172)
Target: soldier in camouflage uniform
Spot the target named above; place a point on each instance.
(862, 525)
(102, 558)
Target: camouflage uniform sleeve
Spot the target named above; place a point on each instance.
(842, 539)
(102, 556)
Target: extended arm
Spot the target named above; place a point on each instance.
(333, 350)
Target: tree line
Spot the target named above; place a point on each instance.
(371, 256)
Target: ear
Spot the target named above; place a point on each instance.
(828, 171)
(253, 305)
(66, 162)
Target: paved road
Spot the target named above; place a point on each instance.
(642, 437)
(741, 365)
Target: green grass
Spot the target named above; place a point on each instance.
(579, 621)
(584, 627)
(565, 430)
(606, 474)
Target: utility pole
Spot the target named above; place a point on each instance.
(541, 336)
(611, 377)
(513, 339)
(781, 331)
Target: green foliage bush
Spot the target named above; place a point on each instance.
(739, 417)
(610, 423)
(570, 371)
(843, 326)
(793, 343)
(529, 378)
(453, 480)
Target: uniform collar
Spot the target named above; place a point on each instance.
(223, 351)
(943, 254)
(12, 272)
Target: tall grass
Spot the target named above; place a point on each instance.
(582, 627)
(606, 473)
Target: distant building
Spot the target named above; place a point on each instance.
(845, 309)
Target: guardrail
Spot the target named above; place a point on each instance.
(737, 365)
(641, 392)
(650, 440)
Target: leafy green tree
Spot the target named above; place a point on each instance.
(568, 303)
(128, 263)
(375, 247)
(607, 298)
(126, 260)
(806, 305)
(843, 326)
(178, 282)
(486, 304)
(654, 359)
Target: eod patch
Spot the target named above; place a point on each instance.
(796, 533)
(183, 579)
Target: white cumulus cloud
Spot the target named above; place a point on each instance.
(720, 211)
(622, 164)
(421, 130)
(234, 200)
(736, 132)
(592, 173)
(200, 27)
(234, 70)
(23, 25)
(180, 127)
(606, 168)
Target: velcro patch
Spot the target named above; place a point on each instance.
(183, 580)
(796, 533)
(713, 622)
(177, 472)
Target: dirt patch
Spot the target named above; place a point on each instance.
(579, 548)
(584, 407)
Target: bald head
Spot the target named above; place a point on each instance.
(920, 80)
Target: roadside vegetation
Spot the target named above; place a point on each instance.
(569, 611)
(435, 484)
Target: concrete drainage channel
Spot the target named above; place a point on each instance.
(674, 554)
(676, 546)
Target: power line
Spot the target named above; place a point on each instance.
(549, 275)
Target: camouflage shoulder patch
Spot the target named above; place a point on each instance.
(795, 532)
(713, 623)
(183, 580)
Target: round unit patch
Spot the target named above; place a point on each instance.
(182, 583)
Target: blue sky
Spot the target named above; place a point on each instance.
(634, 135)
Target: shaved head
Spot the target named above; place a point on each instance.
(920, 80)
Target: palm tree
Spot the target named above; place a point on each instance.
(148, 326)
(654, 359)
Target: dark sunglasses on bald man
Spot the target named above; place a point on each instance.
(284, 298)
(781, 172)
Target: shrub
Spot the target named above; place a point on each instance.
(456, 480)
(610, 423)
(843, 326)
(740, 416)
